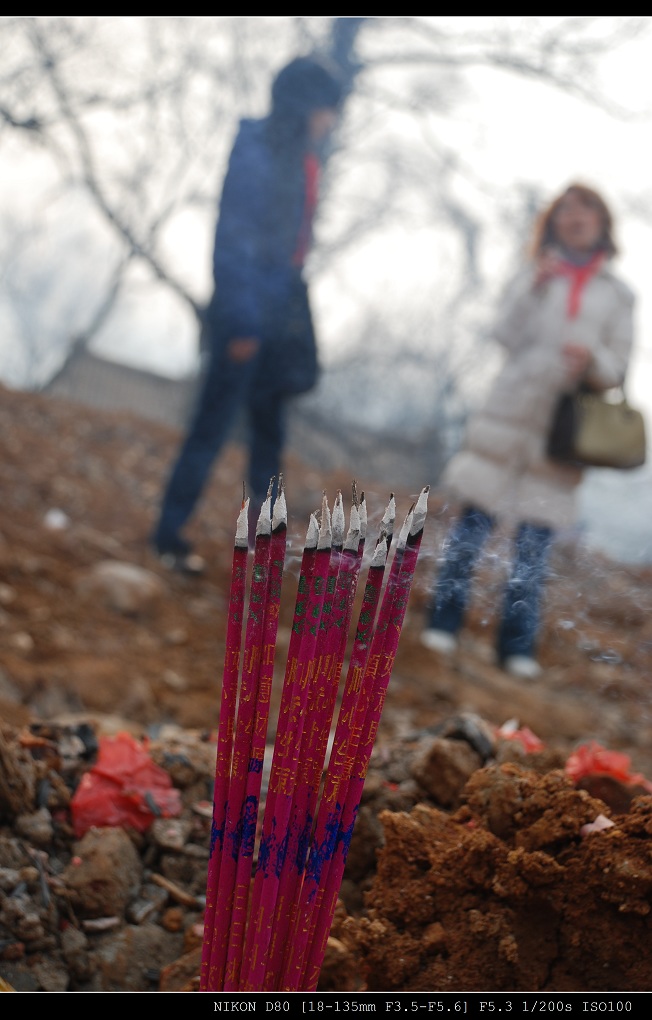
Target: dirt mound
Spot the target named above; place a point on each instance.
(80, 492)
(513, 892)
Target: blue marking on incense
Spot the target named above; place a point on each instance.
(217, 833)
(241, 836)
(344, 836)
(265, 850)
(303, 844)
(264, 854)
(321, 853)
(255, 765)
(281, 853)
(248, 825)
(234, 838)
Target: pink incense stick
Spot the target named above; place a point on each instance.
(259, 738)
(235, 620)
(284, 770)
(304, 586)
(339, 769)
(239, 823)
(377, 675)
(330, 651)
(292, 905)
(301, 614)
(330, 659)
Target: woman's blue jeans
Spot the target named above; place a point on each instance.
(227, 387)
(520, 617)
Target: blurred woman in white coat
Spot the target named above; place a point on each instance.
(565, 318)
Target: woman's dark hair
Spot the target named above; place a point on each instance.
(302, 86)
(544, 231)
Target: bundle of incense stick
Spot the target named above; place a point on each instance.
(266, 927)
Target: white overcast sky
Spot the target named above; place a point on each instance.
(511, 130)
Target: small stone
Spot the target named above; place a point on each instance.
(74, 948)
(13, 951)
(151, 900)
(101, 924)
(26, 923)
(172, 919)
(51, 976)
(204, 808)
(23, 641)
(174, 681)
(56, 520)
(108, 875)
(443, 769)
(124, 960)
(193, 936)
(125, 587)
(37, 827)
(73, 940)
(20, 977)
(180, 975)
(199, 853)
(31, 877)
(176, 636)
(170, 833)
(140, 911)
(9, 879)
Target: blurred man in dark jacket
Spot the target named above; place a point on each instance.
(259, 327)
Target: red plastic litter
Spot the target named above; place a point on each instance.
(593, 759)
(529, 740)
(124, 788)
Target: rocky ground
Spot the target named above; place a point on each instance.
(482, 858)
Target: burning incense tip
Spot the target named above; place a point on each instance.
(353, 535)
(390, 513)
(241, 530)
(406, 528)
(325, 532)
(362, 510)
(419, 511)
(280, 514)
(264, 525)
(379, 557)
(338, 522)
(312, 534)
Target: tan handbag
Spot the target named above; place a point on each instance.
(597, 430)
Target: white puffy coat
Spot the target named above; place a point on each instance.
(502, 467)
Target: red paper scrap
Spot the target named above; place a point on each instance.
(124, 788)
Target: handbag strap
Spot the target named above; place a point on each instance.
(583, 387)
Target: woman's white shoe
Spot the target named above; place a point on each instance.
(522, 666)
(439, 641)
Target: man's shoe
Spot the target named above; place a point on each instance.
(439, 641)
(183, 563)
(522, 666)
(178, 555)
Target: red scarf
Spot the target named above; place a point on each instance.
(578, 277)
(311, 167)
